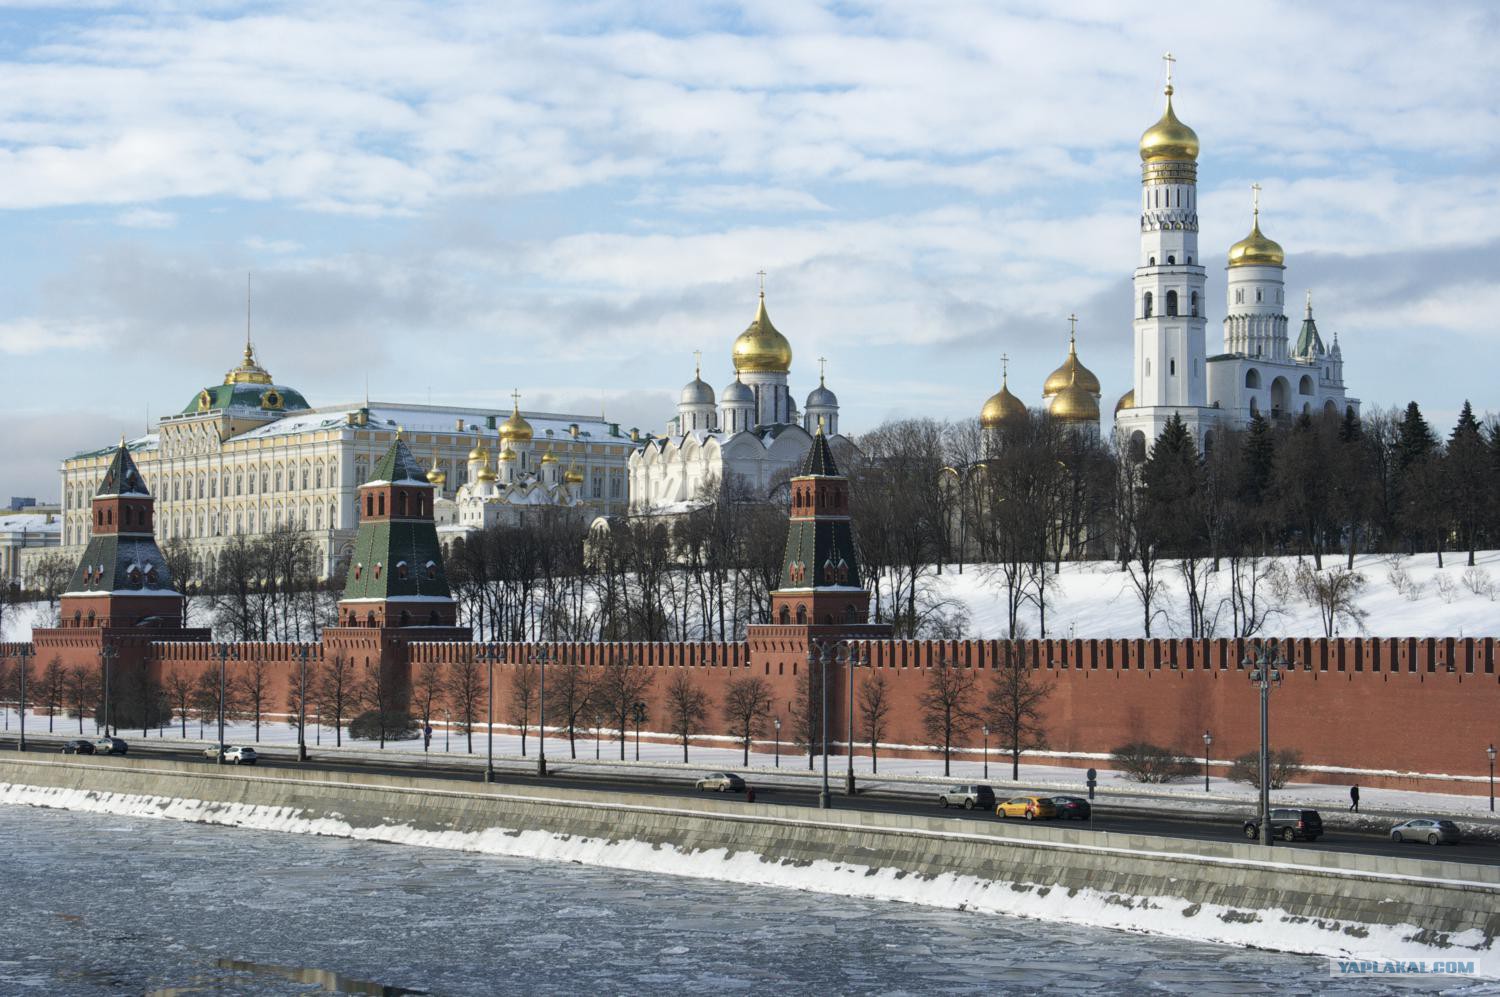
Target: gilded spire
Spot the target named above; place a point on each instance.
(1169, 139)
(248, 372)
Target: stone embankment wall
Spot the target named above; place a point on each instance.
(1301, 900)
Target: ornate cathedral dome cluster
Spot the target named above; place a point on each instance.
(1071, 393)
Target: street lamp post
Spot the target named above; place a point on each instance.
(778, 742)
(1491, 752)
(1208, 740)
(1266, 668)
(487, 654)
(854, 662)
(823, 655)
(598, 732)
(638, 713)
(302, 708)
(225, 653)
(541, 727)
(108, 653)
(25, 654)
(986, 729)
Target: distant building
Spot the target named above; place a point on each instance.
(20, 533)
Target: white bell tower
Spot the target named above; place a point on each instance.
(1169, 376)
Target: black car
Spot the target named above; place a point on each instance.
(77, 746)
(1288, 825)
(1071, 807)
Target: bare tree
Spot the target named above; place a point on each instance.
(53, 689)
(209, 696)
(179, 686)
(465, 689)
(1335, 591)
(687, 709)
(874, 708)
(334, 692)
(426, 690)
(382, 700)
(523, 697)
(570, 696)
(947, 705)
(1254, 592)
(82, 691)
(621, 684)
(747, 707)
(1013, 703)
(254, 685)
(807, 711)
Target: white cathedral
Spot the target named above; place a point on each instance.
(752, 431)
(1258, 372)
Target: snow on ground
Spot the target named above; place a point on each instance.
(1096, 599)
(663, 758)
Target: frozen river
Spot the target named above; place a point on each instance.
(108, 905)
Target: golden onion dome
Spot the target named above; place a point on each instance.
(437, 477)
(486, 475)
(480, 452)
(1169, 139)
(1075, 404)
(1001, 408)
(507, 456)
(1127, 401)
(1255, 250)
(515, 429)
(573, 476)
(760, 348)
(548, 458)
(1070, 371)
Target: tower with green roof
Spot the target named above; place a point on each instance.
(396, 576)
(122, 580)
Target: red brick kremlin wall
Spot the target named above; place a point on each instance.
(1426, 706)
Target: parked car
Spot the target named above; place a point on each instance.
(968, 797)
(77, 746)
(1434, 832)
(1071, 807)
(110, 746)
(722, 782)
(240, 755)
(215, 750)
(1030, 807)
(1288, 825)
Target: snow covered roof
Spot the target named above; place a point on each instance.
(435, 419)
(31, 523)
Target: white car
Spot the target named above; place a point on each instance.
(240, 755)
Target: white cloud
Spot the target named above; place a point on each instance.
(29, 335)
(145, 218)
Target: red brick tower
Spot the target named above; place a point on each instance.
(122, 579)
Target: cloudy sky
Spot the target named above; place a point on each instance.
(453, 200)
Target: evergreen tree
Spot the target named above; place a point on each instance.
(1173, 482)
(1466, 481)
(1259, 462)
(1301, 477)
(1415, 465)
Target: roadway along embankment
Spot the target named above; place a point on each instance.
(1334, 903)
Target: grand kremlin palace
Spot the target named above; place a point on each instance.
(247, 455)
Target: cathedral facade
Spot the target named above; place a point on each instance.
(751, 432)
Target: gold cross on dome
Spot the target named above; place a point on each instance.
(1004, 367)
(1072, 325)
(1255, 197)
(1169, 58)
(822, 368)
(762, 275)
(515, 396)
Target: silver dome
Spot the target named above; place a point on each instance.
(697, 392)
(821, 397)
(738, 392)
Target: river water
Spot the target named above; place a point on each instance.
(98, 904)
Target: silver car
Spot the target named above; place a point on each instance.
(722, 782)
(1430, 830)
(968, 797)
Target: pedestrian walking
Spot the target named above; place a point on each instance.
(1354, 798)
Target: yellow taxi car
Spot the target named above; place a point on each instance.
(1029, 807)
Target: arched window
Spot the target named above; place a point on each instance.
(1172, 367)
(1171, 261)
(801, 614)
(433, 619)
(1305, 386)
(1148, 366)
(1194, 312)
(1252, 378)
(405, 618)
(369, 505)
(1172, 303)
(380, 503)
(1146, 306)
(370, 618)
(786, 616)
(401, 503)
(1239, 295)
